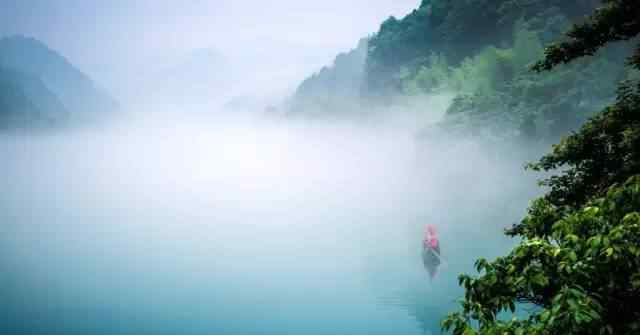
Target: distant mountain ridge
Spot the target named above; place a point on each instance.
(56, 90)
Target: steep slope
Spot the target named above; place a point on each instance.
(334, 89)
(479, 52)
(80, 96)
(26, 102)
(458, 29)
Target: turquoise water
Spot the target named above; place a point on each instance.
(242, 230)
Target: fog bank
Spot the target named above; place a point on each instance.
(243, 227)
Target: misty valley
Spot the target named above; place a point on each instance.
(464, 169)
(243, 227)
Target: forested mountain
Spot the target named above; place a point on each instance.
(459, 29)
(575, 267)
(480, 52)
(40, 85)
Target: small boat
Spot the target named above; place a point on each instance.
(431, 251)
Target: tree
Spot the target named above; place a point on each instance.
(617, 20)
(582, 277)
(606, 150)
(577, 267)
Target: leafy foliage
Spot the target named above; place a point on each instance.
(605, 151)
(576, 270)
(617, 20)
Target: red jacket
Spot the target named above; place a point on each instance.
(431, 240)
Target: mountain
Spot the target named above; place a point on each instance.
(335, 88)
(459, 29)
(25, 101)
(51, 82)
(479, 53)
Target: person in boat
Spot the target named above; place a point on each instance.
(431, 251)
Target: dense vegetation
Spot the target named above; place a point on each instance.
(576, 270)
(458, 29)
(487, 68)
(479, 51)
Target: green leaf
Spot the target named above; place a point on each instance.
(609, 252)
(557, 252)
(572, 238)
(469, 331)
(591, 211)
(572, 256)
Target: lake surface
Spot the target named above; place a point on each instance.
(260, 228)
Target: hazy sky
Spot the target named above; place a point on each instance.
(109, 38)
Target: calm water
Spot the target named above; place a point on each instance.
(258, 229)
